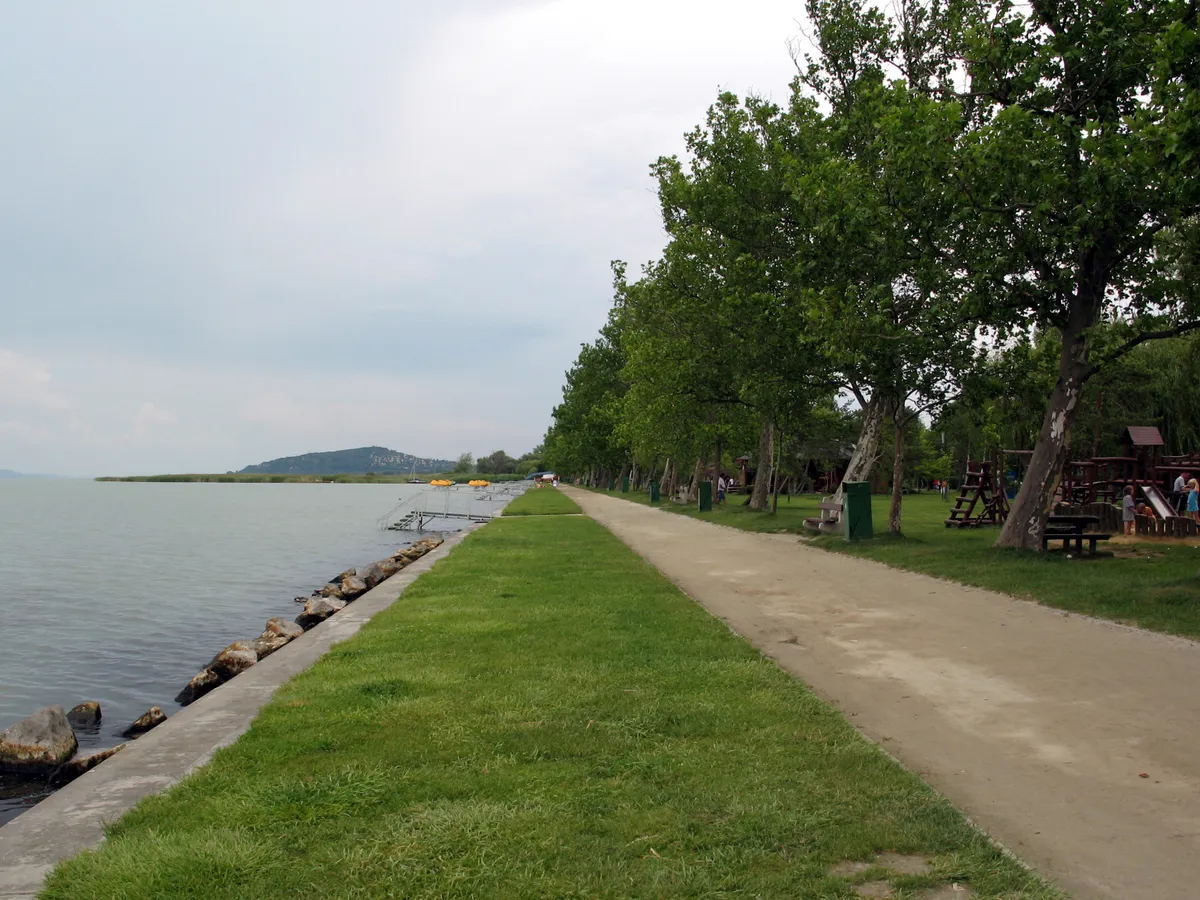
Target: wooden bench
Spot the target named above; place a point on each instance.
(831, 517)
(1074, 534)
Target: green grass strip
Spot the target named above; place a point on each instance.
(541, 715)
(542, 502)
(1150, 583)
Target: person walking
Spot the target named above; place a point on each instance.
(1127, 510)
(722, 485)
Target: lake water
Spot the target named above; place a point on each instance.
(121, 592)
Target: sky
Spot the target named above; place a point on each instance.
(232, 231)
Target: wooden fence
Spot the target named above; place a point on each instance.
(1148, 526)
(1176, 526)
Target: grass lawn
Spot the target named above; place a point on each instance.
(541, 502)
(1152, 584)
(541, 715)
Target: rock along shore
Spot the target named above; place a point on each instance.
(43, 747)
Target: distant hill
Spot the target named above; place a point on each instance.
(9, 473)
(360, 460)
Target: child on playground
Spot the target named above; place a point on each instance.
(1127, 510)
(1193, 499)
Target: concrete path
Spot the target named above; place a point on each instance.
(74, 818)
(1036, 723)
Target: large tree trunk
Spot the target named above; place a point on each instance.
(762, 479)
(776, 459)
(897, 481)
(697, 476)
(717, 468)
(866, 451)
(1027, 519)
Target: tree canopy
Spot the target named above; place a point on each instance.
(969, 215)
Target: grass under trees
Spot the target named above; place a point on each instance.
(1153, 584)
(542, 502)
(541, 715)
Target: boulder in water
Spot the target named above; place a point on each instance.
(234, 659)
(281, 627)
(318, 610)
(78, 765)
(389, 567)
(39, 743)
(330, 590)
(267, 644)
(151, 718)
(352, 586)
(85, 715)
(371, 575)
(200, 685)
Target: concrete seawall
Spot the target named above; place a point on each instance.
(74, 818)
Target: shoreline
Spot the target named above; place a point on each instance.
(23, 788)
(74, 817)
(340, 478)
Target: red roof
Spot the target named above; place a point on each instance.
(1143, 435)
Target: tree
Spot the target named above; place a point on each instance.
(465, 463)
(1081, 172)
(884, 289)
(583, 439)
(496, 463)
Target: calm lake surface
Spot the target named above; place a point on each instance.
(121, 592)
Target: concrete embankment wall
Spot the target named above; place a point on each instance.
(74, 818)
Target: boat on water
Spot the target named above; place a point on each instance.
(415, 481)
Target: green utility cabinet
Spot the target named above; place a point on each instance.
(625, 485)
(705, 495)
(856, 511)
(654, 495)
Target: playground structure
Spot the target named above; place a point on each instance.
(983, 488)
(1091, 486)
(1102, 479)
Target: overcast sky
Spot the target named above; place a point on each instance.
(236, 231)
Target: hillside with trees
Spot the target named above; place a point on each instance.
(360, 460)
(972, 226)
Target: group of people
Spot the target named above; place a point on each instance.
(1185, 498)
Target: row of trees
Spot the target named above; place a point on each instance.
(952, 187)
(500, 463)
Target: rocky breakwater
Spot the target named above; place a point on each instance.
(324, 602)
(44, 748)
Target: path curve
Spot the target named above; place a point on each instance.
(1037, 723)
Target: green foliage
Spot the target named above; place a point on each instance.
(363, 459)
(465, 464)
(496, 463)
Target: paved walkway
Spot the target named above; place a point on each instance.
(1036, 723)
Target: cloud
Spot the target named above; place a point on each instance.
(235, 232)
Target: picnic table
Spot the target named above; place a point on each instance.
(1070, 528)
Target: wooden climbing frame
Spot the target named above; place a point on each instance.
(980, 487)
